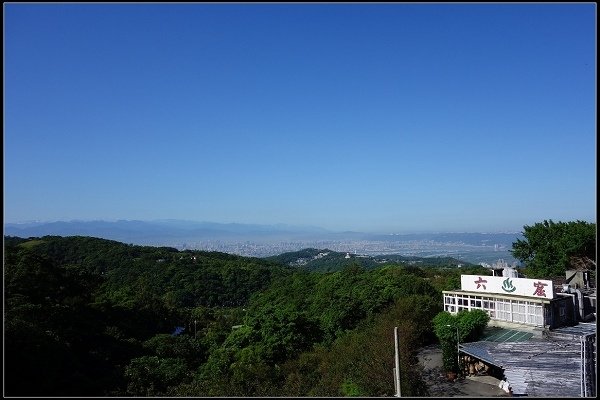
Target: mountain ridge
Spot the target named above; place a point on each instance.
(175, 227)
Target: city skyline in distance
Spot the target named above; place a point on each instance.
(267, 240)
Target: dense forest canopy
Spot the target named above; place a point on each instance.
(93, 317)
(110, 318)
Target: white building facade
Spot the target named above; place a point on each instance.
(510, 299)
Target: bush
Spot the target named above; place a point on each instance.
(472, 324)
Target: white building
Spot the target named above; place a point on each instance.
(512, 300)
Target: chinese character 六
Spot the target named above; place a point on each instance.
(480, 282)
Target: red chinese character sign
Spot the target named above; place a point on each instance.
(537, 288)
(480, 282)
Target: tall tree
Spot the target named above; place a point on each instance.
(550, 248)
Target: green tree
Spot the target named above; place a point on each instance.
(463, 327)
(182, 346)
(361, 361)
(550, 248)
(55, 337)
(471, 324)
(351, 389)
(444, 325)
(152, 375)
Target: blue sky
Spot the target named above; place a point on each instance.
(373, 117)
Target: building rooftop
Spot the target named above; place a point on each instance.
(549, 366)
(574, 332)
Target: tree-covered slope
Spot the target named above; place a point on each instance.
(326, 260)
(78, 309)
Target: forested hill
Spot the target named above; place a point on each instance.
(94, 317)
(78, 309)
(146, 274)
(326, 260)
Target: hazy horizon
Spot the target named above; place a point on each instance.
(298, 225)
(281, 224)
(393, 117)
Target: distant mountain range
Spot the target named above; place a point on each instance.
(159, 231)
(135, 230)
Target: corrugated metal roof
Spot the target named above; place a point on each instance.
(535, 367)
(583, 328)
(541, 368)
(480, 351)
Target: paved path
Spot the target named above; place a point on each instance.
(439, 386)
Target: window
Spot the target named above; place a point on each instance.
(503, 310)
(535, 314)
(449, 303)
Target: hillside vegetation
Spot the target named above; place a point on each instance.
(93, 317)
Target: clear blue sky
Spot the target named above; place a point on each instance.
(373, 117)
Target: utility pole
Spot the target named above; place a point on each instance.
(397, 369)
(458, 351)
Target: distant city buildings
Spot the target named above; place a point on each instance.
(483, 255)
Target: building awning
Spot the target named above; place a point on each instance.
(480, 350)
